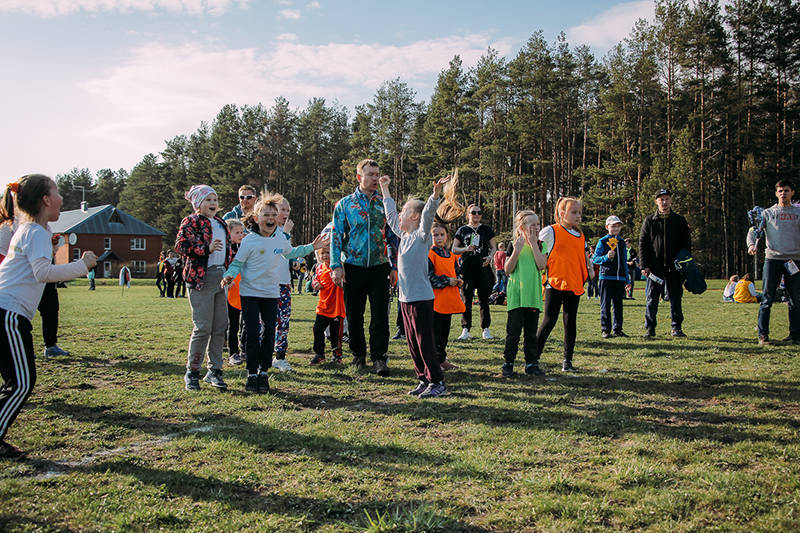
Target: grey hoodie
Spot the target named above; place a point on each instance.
(781, 227)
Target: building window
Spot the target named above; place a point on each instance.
(76, 254)
(138, 243)
(107, 243)
(139, 266)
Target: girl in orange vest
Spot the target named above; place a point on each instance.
(446, 296)
(568, 268)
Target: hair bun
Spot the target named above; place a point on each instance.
(14, 186)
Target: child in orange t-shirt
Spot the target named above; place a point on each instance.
(446, 296)
(330, 309)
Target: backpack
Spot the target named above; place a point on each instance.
(694, 279)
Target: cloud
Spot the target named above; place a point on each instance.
(611, 26)
(54, 8)
(291, 14)
(314, 5)
(286, 37)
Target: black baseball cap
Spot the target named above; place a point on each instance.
(662, 192)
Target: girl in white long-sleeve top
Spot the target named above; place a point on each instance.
(23, 274)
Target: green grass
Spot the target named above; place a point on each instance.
(696, 434)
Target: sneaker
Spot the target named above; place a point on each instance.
(398, 335)
(317, 359)
(252, 383)
(434, 390)
(464, 335)
(419, 389)
(487, 334)
(677, 332)
(345, 338)
(619, 333)
(282, 365)
(54, 351)
(359, 362)
(263, 383)
(566, 366)
(447, 365)
(236, 359)
(649, 335)
(763, 340)
(534, 370)
(214, 378)
(606, 334)
(507, 370)
(192, 380)
(381, 368)
(7, 451)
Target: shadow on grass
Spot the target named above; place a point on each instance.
(29, 523)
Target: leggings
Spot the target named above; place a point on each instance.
(282, 328)
(553, 301)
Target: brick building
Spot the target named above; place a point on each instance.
(116, 237)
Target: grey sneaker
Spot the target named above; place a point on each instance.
(192, 380)
(360, 362)
(381, 368)
(533, 370)
(214, 378)
(434, 390)
(236, 359)
(678, 332)
(566, 366)
(54, 351)
(419, 389)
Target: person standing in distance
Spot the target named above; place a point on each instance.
(663, 235)
(476, 244)
(359, 265)
(781, 227)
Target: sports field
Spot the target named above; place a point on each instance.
(695, 434)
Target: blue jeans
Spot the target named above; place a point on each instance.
(674, 289)
(773, 270)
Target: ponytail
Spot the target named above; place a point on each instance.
(7, 204)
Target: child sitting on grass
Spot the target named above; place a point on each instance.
(203, 240)
(258, 261)
(413, 225)
(446, 296)
(524, 290)
(23, 274)
(330, 309)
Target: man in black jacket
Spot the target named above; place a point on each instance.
(664, 233)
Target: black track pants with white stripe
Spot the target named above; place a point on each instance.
(16, 366)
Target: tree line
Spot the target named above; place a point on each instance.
(703, 101)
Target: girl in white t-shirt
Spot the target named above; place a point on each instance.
(23, 274)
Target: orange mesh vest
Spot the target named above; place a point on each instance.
(446, 301)
(566, 264)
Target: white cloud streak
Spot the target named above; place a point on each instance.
(291, 14)
(611, 26)
(54, 8)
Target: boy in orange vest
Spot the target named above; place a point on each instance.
(330, 309)
(446, 296)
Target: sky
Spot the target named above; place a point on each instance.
(101, 83)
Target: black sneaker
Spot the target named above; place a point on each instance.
(566, 366)
(214, 378)
(398, 335)
(606, 334)
(619, 333)
(649, 335)
(534, 370)
(677, 332)
(7, 451)
(381, 368)
(192, 380)
(419, 389)
(360, 362)
(507, 370)
(317, 359)
(252, 383)
(263, 383)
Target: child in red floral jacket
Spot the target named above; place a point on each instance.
(205, 244)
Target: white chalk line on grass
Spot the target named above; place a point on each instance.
(60, 468)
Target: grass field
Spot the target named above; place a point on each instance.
(696, 434)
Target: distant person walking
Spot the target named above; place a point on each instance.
(780, 225)
(476, 244)
(663, 235)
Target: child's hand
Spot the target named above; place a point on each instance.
(321, 241)
(89, 259)
(612, 254)
(453, 281)
(460, 282)
(288, 226)
(520, 242)
(384, 181)
(227, 280)
(437, 186)
(216, 246)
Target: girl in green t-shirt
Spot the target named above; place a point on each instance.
(524, 293)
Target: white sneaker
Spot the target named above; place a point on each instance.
(487, 334)
(464, 335)
(282, 365)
